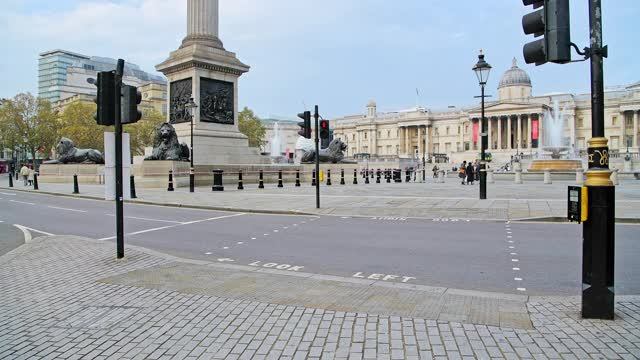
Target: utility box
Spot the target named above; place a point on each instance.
(577, 204)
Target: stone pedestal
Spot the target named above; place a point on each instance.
(63, 173)
(203, 70)
(155, 174)
(547, 176)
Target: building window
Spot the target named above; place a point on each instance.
(365, 135)
(614, 121)
(354, 137)
(458, 130)
(379, 134)
(447, 130)
(580, 123)
(388, 133)
(466, 129)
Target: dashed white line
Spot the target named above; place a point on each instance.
(240, 243)
(226, 248)
(515, 260)
(21, 202)
(265, 234)
(522, 289)
(254, 238)
(65, 209)
(147, 219)
(275, 231)
(208, 253)
(516, 269)
(514, 254)
(8, 194)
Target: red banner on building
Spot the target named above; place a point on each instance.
(534, 129)
(475, 131)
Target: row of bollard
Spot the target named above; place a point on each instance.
(390, 175)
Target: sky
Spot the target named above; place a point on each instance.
(338, 54)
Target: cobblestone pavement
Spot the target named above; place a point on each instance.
(56, 304)
(507, 201)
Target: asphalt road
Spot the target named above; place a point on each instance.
(10, 238)
(519, 258)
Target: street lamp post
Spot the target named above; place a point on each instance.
(482, 70)
(191, 106)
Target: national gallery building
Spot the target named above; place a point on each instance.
(516, 124)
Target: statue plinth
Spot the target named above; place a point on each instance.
(203, 70)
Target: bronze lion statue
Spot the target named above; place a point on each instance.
(69, 154)
(166, 145)
(334, 153)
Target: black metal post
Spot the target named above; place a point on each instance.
(424, 169)
(298, 178)
(366, 177)
(76, 187)
(132, 186)
(483, 146)
(317, 116)
(280, 184)
(598, 259)
(261, 180)
(170, 188)
(328, 177)
(192, 179)
(10, 179)
(35, 180)
(355, 176)
(378, 176)
(240, 184)
(342, 182)
(313, 178)
(119, 187)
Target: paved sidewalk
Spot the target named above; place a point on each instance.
(507, 201)
(66, 297)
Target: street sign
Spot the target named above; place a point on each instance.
(577, 204)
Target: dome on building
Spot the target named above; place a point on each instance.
(515, 77)
(371, 103)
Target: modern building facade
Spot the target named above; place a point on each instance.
(516, 123)
(63, 74)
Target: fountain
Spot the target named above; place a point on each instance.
(276, 144)
(557, 156)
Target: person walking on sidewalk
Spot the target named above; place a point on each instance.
(470, 174)
(30, 178)
(24, 172)
(461, 172)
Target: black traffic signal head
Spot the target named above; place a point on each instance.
(553, 23)
(325, 132)
(105, 99)
(131, 97)
(305, 126)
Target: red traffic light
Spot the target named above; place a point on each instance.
(324, 124)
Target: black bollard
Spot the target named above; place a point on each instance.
(328, 177)
(378, 176)
(298, 178)
(192, 181)
(261, 181)
(366, 178)
(280, 184)
(240, 184)
(407, 177)
(35, 181)
(170, 188)
(76, 188)
(388, 176)
(10, 180)
(313, 179)
(355, 176)
(132, 186)
(365, 173)
(342, 177)
(217, 180)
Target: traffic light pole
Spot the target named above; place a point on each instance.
(598, 261)
(118, 136)
(317, 139)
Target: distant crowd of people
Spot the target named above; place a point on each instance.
(26, 172)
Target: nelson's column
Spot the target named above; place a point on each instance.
(203, 70)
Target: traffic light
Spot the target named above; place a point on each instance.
(131, 98)
(553, 23)
(106, 101)
(325, 132)
(305, 130)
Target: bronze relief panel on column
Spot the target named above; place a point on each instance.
(181, 92)
(216, 101)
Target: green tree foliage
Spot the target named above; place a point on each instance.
(30, 123)
(77, 123)
(250, 125)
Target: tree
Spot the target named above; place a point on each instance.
(77, 123)
(29, 122)
(143, 132)
(250, 125)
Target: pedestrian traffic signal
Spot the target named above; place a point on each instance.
(305, 126)
(325, 132)
(553, 23)
(131, 98)
(105, 99)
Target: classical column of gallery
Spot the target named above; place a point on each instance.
(632, 133)
(509, 132)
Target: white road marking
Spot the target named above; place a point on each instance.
(1, 221)
(276, 266)
(147, 219)
(265, 234)
(253, 238)
(208, 253)
(517, 279)
(383, 277)
(34, 230)
(240, 243)
(226, 260)
(21, 202)
(514, 254)
(516, 269)
(275, 231)
(65, 209)
(295, 224)
(510, 241)
(226, 248)
(514, 260)
(9, 194)
(286, 227)
(522, 289)
(173, 226)
(512, 247)
(509, 237)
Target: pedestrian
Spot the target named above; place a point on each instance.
(24, 172)
(435, 171)
(30, 178)
(461, 174)
(470, 174)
